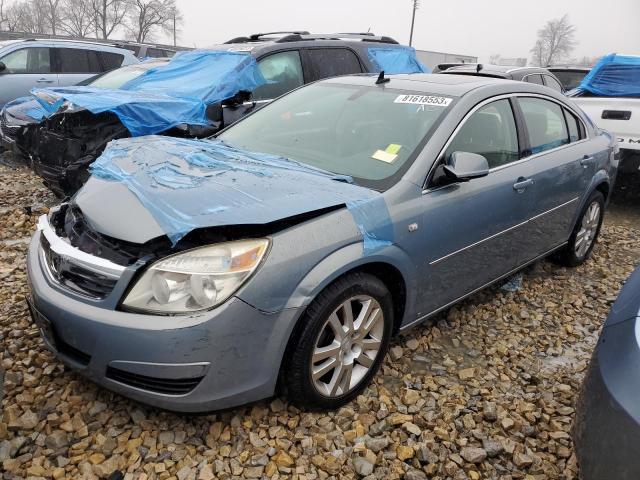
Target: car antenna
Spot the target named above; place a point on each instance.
(479, 67)
(382, 79)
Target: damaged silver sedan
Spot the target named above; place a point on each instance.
(282, 256)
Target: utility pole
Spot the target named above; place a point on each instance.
(416, 4)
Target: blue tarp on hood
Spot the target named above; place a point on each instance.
(395, 60)
(613, 76)
(190, 184)
(168, 95)
(26, 107)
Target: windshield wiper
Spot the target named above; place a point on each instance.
(343, 178)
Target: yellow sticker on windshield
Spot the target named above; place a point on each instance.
(393, 148)
(384, 156)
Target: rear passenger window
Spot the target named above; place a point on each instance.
(332, 62)
(490, 132)
(155, 53)
(537, 79)
(574, 126)
(552, 83)
(283, 71)
(28, 60)
(78, 60)
(110, 61)
(545, 124)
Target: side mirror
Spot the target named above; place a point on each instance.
(3, 67)
(463, 166)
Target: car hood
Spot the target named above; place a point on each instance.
(169, 186)
(22, 111)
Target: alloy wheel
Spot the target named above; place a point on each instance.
(347, 346)
(588, 230)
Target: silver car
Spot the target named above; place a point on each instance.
(25, 64)
(283, 255)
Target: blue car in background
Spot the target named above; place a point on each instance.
(196, 94)
(283, 254)
(606, 432)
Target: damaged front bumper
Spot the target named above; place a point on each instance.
(211, 360)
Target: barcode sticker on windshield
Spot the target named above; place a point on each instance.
(423, 100)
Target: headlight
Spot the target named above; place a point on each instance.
(197, 279)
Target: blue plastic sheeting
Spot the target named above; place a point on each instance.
(613, 76)
(168, 95)
(394, 60)
(189, 184)
(26, 106)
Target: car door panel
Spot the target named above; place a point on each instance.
(473, 232)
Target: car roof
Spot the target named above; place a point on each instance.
(48, 41)
(568, 68)
(428, 83)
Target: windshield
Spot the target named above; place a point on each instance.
(117, 78)
(369, 133)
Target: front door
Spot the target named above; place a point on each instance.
(473, 230)
(25, 69)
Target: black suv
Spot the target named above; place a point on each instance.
(62, 146)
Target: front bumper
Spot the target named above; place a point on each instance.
(213, 360)
(607, 425)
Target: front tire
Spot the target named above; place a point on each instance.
(343, 338)
(585, 233)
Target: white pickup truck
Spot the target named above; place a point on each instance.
(610, 95)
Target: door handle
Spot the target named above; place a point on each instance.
(44, 80)
(522, 184)
(586, 161)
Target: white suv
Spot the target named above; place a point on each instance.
(25, 64)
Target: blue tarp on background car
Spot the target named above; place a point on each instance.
(166, 96)
(614, 76)
(396, 60)
(190, 184)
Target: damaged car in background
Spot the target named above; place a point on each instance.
(282, 255)
(196, 94)
(19, 118)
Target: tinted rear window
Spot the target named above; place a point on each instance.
(110, 60)
(332, 62)
(78, 60)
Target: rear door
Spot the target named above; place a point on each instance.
(473, 230)
(332, 62)
(560, 164)
(26, 68)
(77, 64)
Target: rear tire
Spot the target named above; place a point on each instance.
(341, 342)
(585, 233)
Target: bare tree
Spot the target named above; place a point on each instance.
(76, 18)
(556, 40)
(148, 16)
(52, 13)
(495, 59)
(108, 15)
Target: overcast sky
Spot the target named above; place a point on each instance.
(470, 27)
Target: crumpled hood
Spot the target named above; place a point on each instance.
(23, 111)
(185, 184)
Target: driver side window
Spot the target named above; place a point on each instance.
(490, 132)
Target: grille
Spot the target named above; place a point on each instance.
(75, 277)
(158, 385)
(7, 131)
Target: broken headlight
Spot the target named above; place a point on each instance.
(198, 279)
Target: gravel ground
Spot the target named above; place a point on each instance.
(486, 390)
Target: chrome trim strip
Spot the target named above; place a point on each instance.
(510, 272)
(504, 231)
(478, 242)
(60, 247)
(553, 209)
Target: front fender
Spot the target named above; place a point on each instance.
(349, 258)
